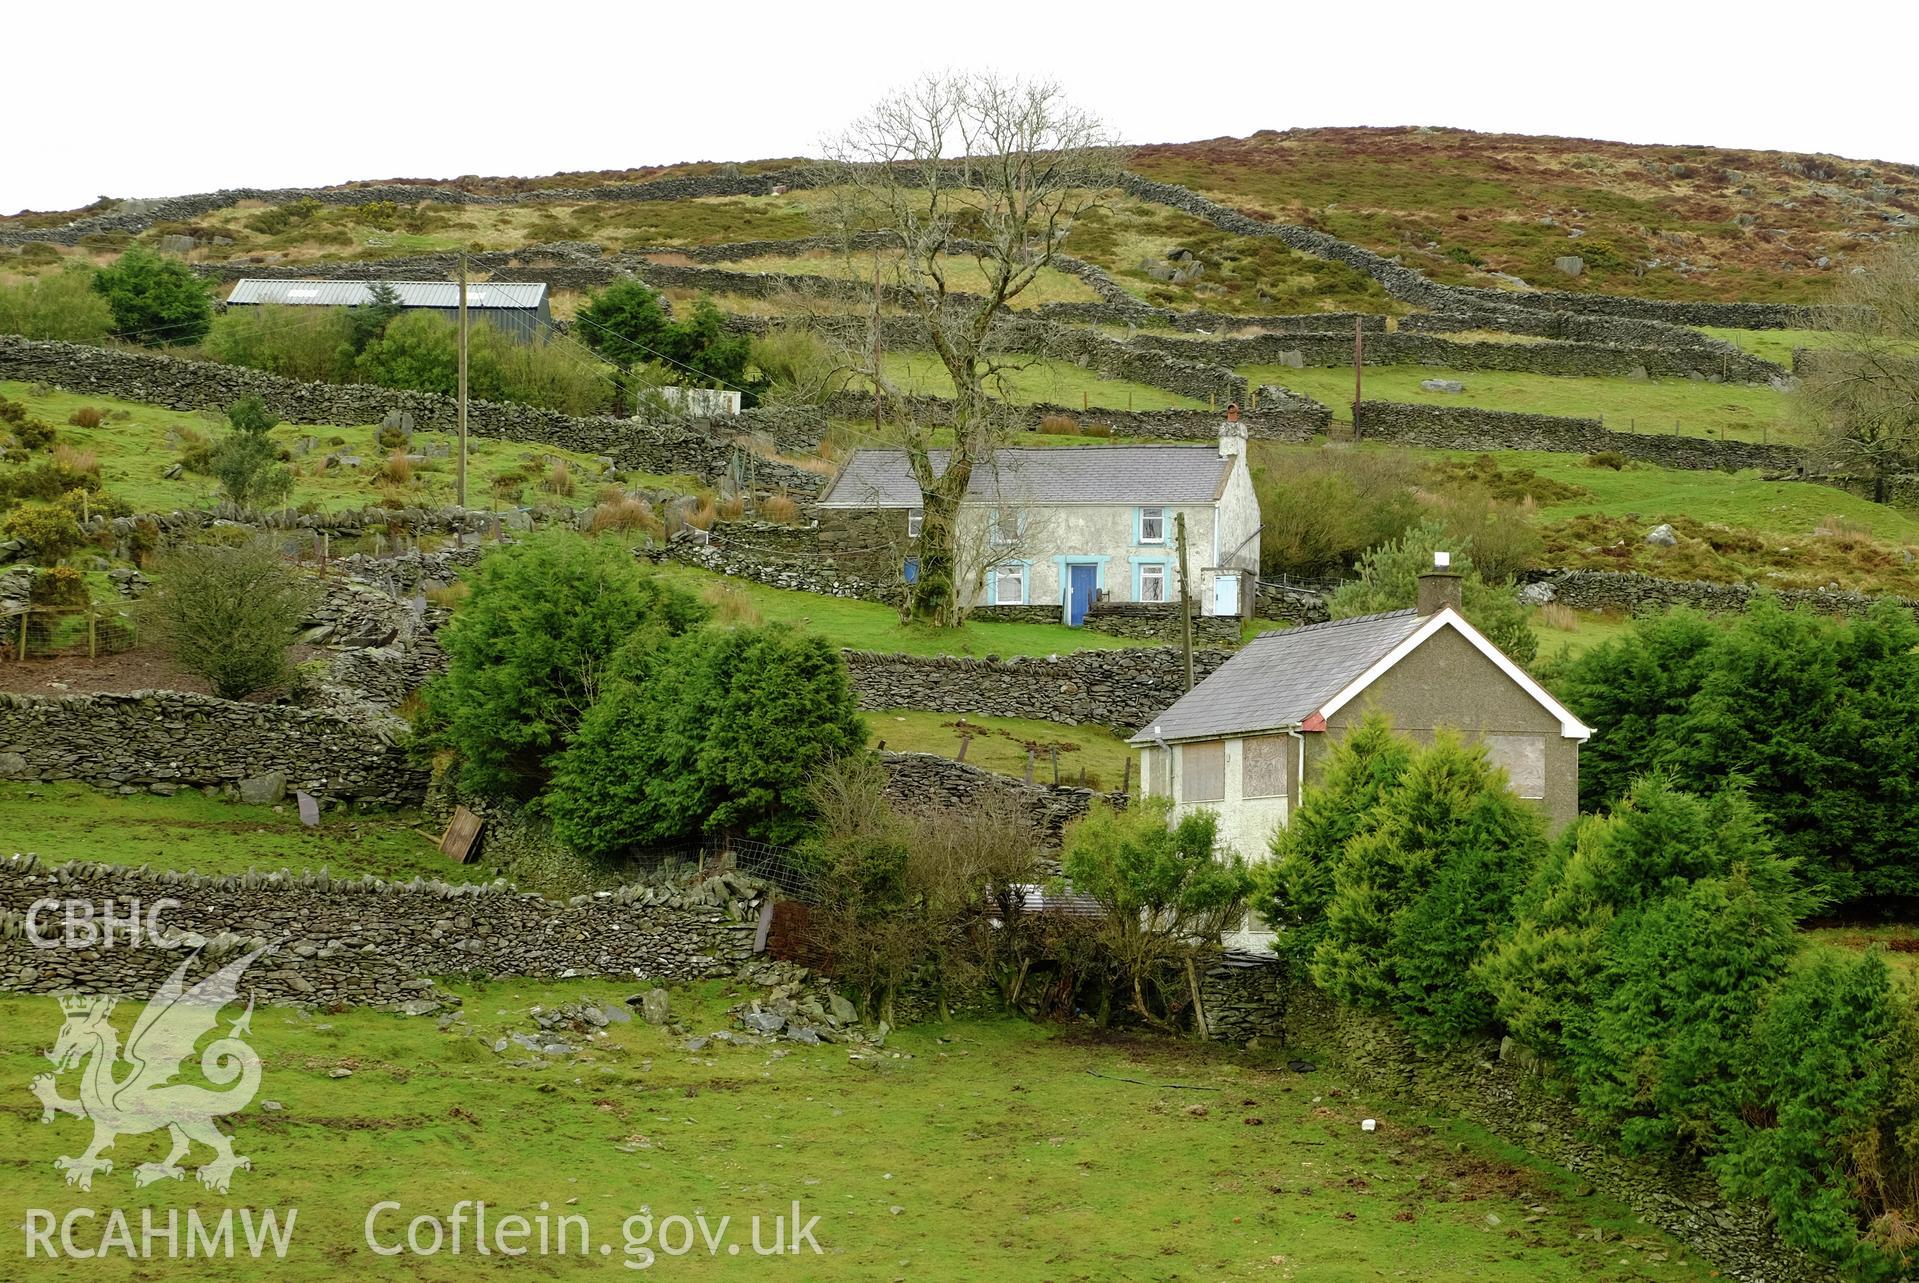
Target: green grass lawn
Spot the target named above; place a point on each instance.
(866, 625)
(999, 744)
(983, 1149)
(964, 275)
(1901, 942)
(68, 821)
(1590, 629)
(1718, 410)
(134, 453)
(1037, 380)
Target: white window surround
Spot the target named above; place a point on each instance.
(1009, 585)
(915, 518)
(1152, 582)
(1152, 525)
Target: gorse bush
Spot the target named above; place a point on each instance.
(228, 613)
(420, 351)
(313, 344)
(63, 306)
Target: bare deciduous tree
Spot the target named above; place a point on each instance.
(1860, 396)
(962, 169)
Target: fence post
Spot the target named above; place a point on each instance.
(93, 631)
(23, 633)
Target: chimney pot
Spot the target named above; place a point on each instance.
(1441, 586)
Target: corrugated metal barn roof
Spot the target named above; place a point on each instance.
(519, 295)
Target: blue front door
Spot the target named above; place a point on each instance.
(1081, 582)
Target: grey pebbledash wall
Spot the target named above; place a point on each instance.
(163, 741)
(1464, 427)
(364, 942)
(191, 385)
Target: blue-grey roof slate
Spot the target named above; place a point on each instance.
(1030, 475)
(1279, 679)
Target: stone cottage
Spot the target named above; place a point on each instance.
(1066, 528)
(1247, 739)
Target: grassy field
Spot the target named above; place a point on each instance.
(866, 625)
(964, 274)
(983, 1149)
(138, 443)
(1030, 380)
(67, 821)
(1000, 744)
(1720, 410)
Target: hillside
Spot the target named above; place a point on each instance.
(1671, 222)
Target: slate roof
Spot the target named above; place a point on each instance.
(523, 295)
(1281, 678)
(1033, 475)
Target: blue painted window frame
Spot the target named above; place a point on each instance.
(1139, 526)
(1025, 583)
(1166, 572)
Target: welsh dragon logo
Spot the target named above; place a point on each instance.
(144, 1097)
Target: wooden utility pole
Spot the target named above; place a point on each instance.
(1359, 366)
(460, 471)
(879, 320)
(1185, 599)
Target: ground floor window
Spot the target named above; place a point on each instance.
(1009, 586)
(1152, 582)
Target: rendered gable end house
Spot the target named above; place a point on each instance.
(1067, 527)
(1249, 738)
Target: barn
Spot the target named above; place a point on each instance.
(518, 308)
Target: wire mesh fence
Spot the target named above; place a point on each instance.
(46, 632)
(783, 868)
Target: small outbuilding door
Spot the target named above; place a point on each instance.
(1081, 583)
(1226, 594)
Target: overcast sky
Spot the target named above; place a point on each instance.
(150, 100)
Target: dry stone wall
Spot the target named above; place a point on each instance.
(192, 385)
(1122, 689)
(1645, 594)
(926, 782)
(367, 942)
(134, 216)
(1448, 427)
(164, 741)
(1598, 360)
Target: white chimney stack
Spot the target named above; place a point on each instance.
(1232, 434)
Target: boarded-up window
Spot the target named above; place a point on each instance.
(1523, 758)
(1202, 772)
(1264, 766)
